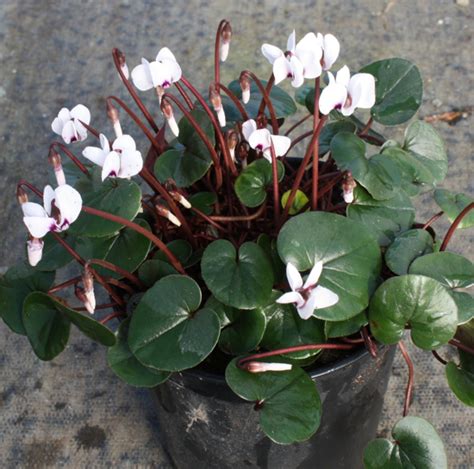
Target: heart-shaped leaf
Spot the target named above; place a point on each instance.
(243, 280)
(345, 328)
(398, 89)
(330, 130)
(252, 183)
(461, 378)
(350, 255)
(285, 328)
(420, 302)
(386, 219)
(379, 175)
(299, 202)
(465, 303)
(270, 248)
(453, 204)
(242, 330)
(289, 404)
(167, 331)
(124, 364)
(406, 248)
(416, 445)
(17, 283)
(203, 201)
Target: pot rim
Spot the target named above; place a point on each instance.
(358, 354)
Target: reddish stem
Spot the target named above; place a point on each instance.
(301, 121)
(461, 346)
(367, 127)
(411, 374)
(70, 155)
(235, 100)
(250, 217)
(369, 344)
(276, 192)
(432, 220)
(65, 284)
(91, 129)
(217, 44)
(315, 182)
(23, 183)
(268, 88)
(454, 225)
(438, 357)
(118, 270)
(111, 316)
(185, 96)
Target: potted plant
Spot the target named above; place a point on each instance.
(235, 262)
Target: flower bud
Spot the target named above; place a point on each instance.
(232, 140)
(88, 296)
(55, 160)
(180, 199)
(226, 35)
(167, 111)
(243, 153)
(113, 115)
(21, 195)
(348, 186)
(164, 212)
(216, 102)
(245, 87)
(262, 367)
(34, 247)
(123, 64)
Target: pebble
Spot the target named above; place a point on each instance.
(463, 3)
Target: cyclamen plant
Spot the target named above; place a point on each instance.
(205, 265)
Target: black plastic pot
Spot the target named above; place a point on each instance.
(205, 425)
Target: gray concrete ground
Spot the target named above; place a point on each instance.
(73, 411)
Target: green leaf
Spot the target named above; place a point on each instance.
(167, 332)
(422, 303)
(54, 255)
(290, 404)
(203, 201)
(465, 303)
(17, 283)
(124, 364)
(417, 445)
(406, 248)
(243, 280)
(350, 255)
(252, 183)
(330, 130)
(270, 248)
(47, 329)
(345, 328)
(285, 328)
(299, 202)
(282, 102)
(453, 204)
(121, 197)
(461, 379)
(386, 219)
(242, 330)
(398, 89)
(379, 175)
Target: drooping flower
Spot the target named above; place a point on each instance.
(68, 123)
(226, 35)
(262, 367)
(262, 139)
(347, 93)
(34, 249)
(302, 60)
(308, 296)
(123, 160)
(61, 207)
(330, 47)
(159, 74)
(348, 186)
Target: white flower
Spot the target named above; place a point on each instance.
(34, 248)
(309, 296)
(330, 46)
(262, 139)
(162, 72)
(62, 206)
(302, 60)
(346, 93)
(122, 160)
(262, 367)
(68, 124)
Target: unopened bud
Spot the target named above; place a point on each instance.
(113, 115)
(216, 102)
(232, 141)
(348, 186)
(21, 195)
(34, 247)
(167, 111)
(243, 153)
(262, 367)
(87, 294)
(123, 64)
(55, 160)
(245, 87)
(226, 35)
(164, 212)
(180, 199)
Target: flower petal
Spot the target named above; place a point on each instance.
(94, 154)
(69, 132)
(124, 143)
(64, 115)
(291, 43)
(131, 163)
(32, 209)
(334, 95)
(57, 125)
(331, 50)
(260, 139)
(141, 76)
(48, 196)
(248, 127)
(311, 65)
(290, 297)
(39, 226)
(165, 53)
(282, 69)
(69, 202)
(323, 297)
(104, 143)
(81, 131)
(307, 309)
(82, 113)
(293, 276)
(174, 70)
(314, 275)
(297, 72)
(309, 43)
(271, 53)
(364, 85)
(281, 144)
(343, 76)
(160, 74)
(111, 165)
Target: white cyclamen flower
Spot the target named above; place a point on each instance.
(262, 139)
(330, 46)
(309, 296)
(62, 206)
(68, 123)
(302, 60)
(122, 160)
(34, 249)
(162, 72)
(346, 93)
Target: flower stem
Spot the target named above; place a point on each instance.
(461, 346)
(367, 127)
(438, 357)
(65, 284)
(315, 182)
(36, 191)
(432, 220)
(301, 121)
(70, 155)
(185, 96)
(235, 100)
(411, 374)
(115, 314)
(217, 45)
(369, 344)
(276, 192)
(242, 218)
(115, 268)
(454, 225)
(270, 83)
